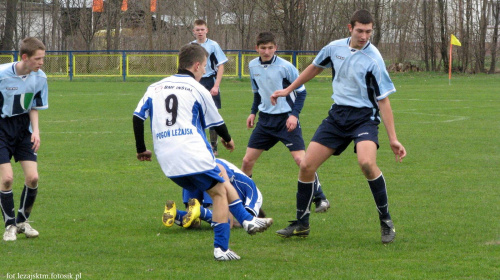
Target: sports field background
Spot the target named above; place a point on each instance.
(99, 209)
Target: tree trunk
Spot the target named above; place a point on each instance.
(7, 43)
(443, 23)
(495, 6)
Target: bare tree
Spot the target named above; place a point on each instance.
(495, 8)
(7, 42)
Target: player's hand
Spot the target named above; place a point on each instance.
(250, 120)
(214, 91)
(398, 150)
(144, 156)
(35, 140)
(291, 123)
(228, 145)
(278, 93)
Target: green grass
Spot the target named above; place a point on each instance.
(99, 209)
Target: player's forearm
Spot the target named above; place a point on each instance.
(220, 73)
(256, 102)
(388, 118)
(308, 74)
(299, 103)
(223, 132)
(34, 120)
(140, 145)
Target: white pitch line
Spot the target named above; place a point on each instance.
(453, 118)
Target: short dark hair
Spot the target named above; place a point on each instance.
(362, 16)
(200, 22)
(190, 54)
(266, 37)
(30, 45)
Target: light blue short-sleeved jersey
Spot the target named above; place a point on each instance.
(360, 78)
(215, 58)
(19, 94)
(270, 77)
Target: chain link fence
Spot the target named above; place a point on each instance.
(146, 64)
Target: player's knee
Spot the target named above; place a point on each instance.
(32, 180)
(368, 168)
(7, 181)
(306, 168)
(298, 160)
(247, 164)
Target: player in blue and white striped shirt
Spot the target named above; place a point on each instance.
(278, 123)
(361, 86)
(23, 91)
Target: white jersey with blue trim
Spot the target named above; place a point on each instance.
(20, 94)
(269, 77)
(215, 58)
(360, 78)
(180, 109)
(244, 186)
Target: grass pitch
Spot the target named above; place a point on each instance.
(99, 209)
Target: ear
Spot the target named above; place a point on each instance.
(24, 56)
(349, 26)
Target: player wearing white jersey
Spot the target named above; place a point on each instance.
(180, 110)
(361, 86)
(278, 123)
(23, 91)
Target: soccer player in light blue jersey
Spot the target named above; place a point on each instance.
(278, 123)
(248, 192)
(181, 109)
(214, 70)
(361, 86)
(23, 91)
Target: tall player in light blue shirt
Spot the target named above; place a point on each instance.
(278, 123)
(23, 91)
(361, 86)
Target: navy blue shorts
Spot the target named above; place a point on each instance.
(15, 139)
(345, 124)
(208, 83)
(272, 128)
(201, 181)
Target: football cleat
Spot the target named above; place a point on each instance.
(294, 229)
(228, 255)
(388, 231)
(27, 230)
(192, 214)
(257, 225)
(10, 233)
(169, 213)
(322, 205)
(196, 224)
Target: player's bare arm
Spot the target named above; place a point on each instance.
(388, 118)
(220, 71)
(310, 72)
(251, 121)
(35, 134)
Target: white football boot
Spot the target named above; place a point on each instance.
(10, 233)
(228, 255)
(27, 230)
(257, 225)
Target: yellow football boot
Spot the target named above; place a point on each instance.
(169, 213)
(192, 214)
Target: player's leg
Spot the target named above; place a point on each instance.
(315, 155)
(28, 198)
(250, 159)
(367, 156)
(251, 224)
(7, 201)
(322, 204)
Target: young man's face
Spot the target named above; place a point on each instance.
(266, 51)
(200, 32)
(199, 69)
(360, 34)
(34, 62)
